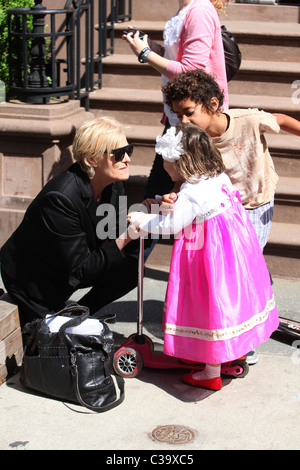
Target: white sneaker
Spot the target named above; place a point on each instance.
(251, 358)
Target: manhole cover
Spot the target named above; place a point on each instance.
(173, 434)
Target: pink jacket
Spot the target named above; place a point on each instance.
(200, 45)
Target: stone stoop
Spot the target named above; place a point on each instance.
(36, 145)
(269, 37)
(11, 346)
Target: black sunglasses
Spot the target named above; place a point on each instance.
(120, 152)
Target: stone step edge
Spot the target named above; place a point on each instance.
(148, 134)
(137, 96)
(258, 66)
(278, 244)
(241, 28)
(266, 66)
(126, 95)
(278, 104)
(286, 188)
(285, 235)
(281, 235)
(266, 11)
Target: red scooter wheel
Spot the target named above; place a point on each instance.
(127, 362)
(237, 368)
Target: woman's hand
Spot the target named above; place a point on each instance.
(155, 59)
(148, 203)
(132, 233)
(136, 44)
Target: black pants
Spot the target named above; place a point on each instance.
(106, 289)
(159, 181)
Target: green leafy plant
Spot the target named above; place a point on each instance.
(4, 6)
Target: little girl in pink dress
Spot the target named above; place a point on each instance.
(219, 300)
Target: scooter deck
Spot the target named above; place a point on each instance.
(155, 360)
(290, 327)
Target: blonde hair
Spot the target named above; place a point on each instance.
(200, 158)
(220, 5)
(94, 138)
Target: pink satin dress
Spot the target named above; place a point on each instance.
(219, 300)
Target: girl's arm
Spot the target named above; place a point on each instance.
(287, 123)
(183, 214)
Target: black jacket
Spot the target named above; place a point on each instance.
(55, 250)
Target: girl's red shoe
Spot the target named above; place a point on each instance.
(210, 384)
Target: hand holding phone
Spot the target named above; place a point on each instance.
(133, 30)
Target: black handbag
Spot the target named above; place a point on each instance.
(233, 55)
(72, 367)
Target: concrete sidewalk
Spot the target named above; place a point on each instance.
(259, 411)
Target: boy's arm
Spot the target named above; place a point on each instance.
(287, 123)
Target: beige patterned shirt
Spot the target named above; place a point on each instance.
(246, 156)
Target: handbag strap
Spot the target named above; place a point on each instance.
(81, 312)
(32, 341)
(74, 374)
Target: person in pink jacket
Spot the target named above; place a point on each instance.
(192, 40)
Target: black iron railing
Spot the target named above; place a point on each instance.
(59, 52)
(29, 79)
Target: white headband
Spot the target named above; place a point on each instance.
(169, 146)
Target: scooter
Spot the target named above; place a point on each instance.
(289, 327)
(138, 350)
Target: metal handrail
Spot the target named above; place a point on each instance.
(35, 87)
(38, 81)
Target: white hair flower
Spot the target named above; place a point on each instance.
(169, 146)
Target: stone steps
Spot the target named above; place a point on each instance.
(257, 40)
(144, 106)
(271, 104)
(273, 78)
(282, 252)
(287, 195)
(234, 11)
(287, 201)
(284, 149)
(268, 79)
